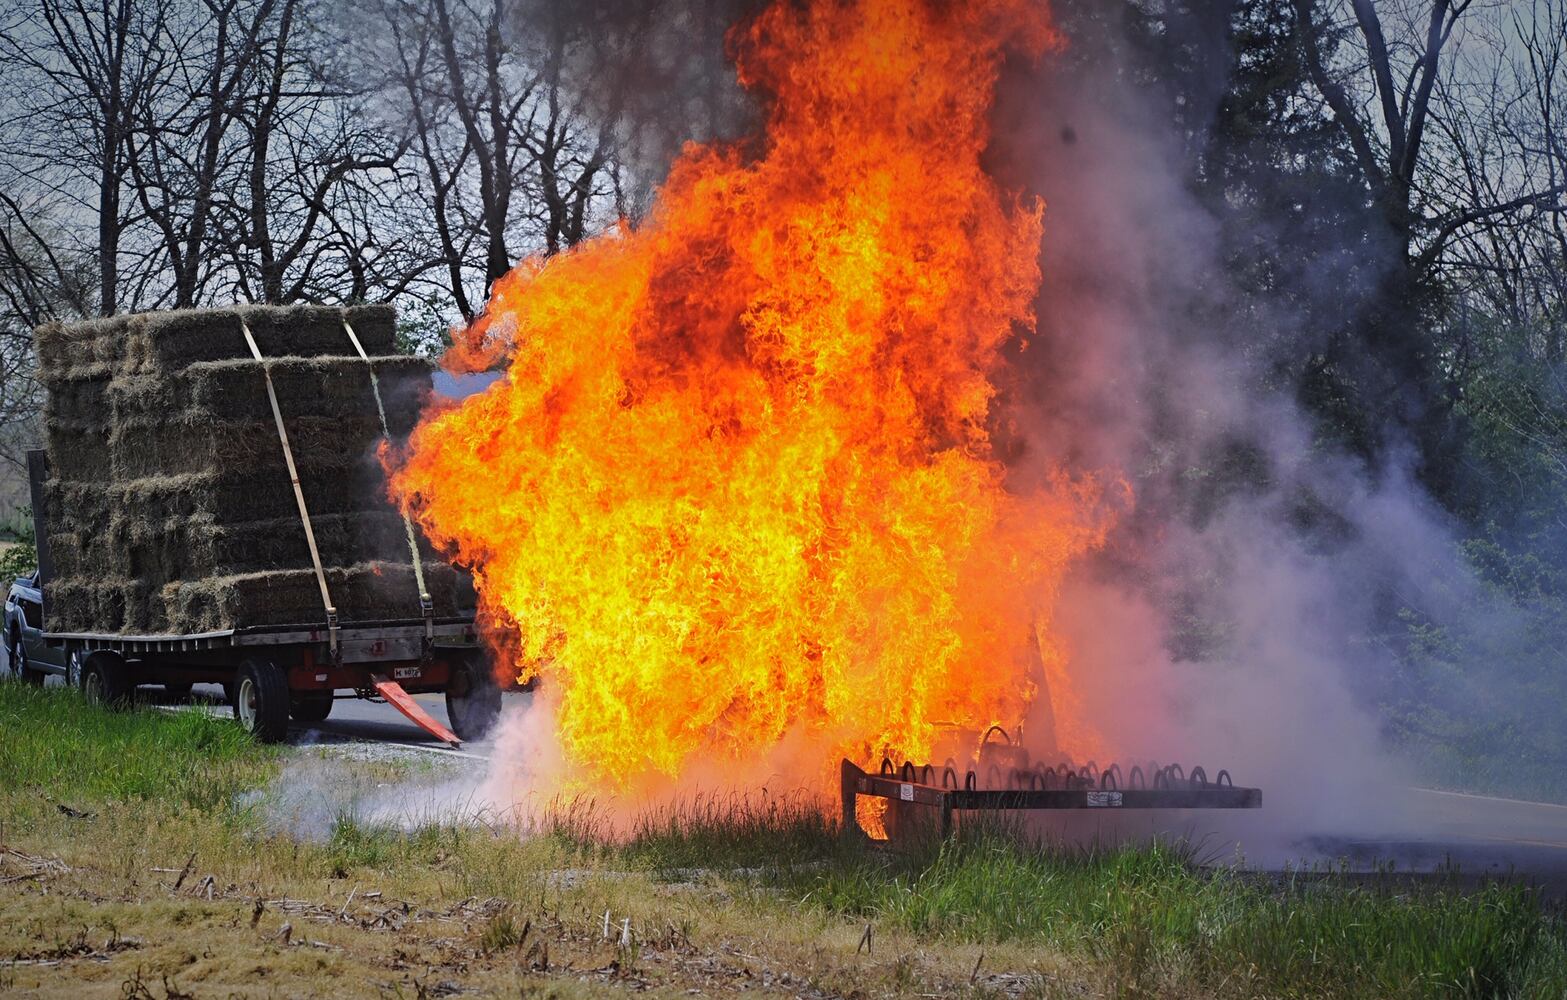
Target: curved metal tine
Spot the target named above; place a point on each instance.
(1091, 769)
(1108, 781)
(1177, 774)
(887, 770)
(1135, 779)
(1161, 779)
(995, 729)
(1199, 778)
(993, 777)
(1223, 779)
(1020, 777)
(1115, 769)
(946, 773)
(907, 771)
(970, 781)
(926, 773)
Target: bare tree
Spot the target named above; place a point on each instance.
(180, 149)
(77, 73)
(511, 159)
(1390, 137)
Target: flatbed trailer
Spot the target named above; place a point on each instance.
(271, 674)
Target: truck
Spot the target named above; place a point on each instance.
(210, 508)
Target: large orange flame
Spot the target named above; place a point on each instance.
(737, 484)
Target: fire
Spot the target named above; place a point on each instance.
(736, 490)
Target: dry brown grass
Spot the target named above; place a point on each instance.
(145, 897)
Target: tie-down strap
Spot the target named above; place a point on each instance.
(426, 606)
(299, 494)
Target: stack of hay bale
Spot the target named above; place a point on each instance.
(169, 508)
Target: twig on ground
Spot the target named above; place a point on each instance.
(190, 863)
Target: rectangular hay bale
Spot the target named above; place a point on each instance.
(150, 447)
(236, 390)
(312, 331)
(367, 592)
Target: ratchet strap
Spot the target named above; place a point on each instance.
(299, 494)
(426, 606)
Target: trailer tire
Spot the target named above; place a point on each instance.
(473, 699)
(261, 700)
(311, 707)
(105, 679)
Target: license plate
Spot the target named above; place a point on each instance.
(405, 673)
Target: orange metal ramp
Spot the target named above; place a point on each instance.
(403, 701)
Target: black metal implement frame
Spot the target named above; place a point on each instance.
(1020, 788)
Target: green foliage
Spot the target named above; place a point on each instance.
(424, 327)
(21, 557)
(58, 744)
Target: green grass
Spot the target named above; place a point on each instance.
(56, 744)
(1148, 920)
(731, 831)
(1159, 921)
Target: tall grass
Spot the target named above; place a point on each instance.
(732, 831)
(54, 742)
(1156, 919)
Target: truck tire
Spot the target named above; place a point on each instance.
(261, 700)
(106, 680)
(473, 699)
(311, 707)
(16, 656)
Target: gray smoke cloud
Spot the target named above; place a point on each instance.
(1239, 614)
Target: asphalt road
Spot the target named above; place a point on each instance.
(352, 719)
(1473, 835)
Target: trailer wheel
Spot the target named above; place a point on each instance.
(311, 707)
(473, 699)
(105, 679)
(261, 700)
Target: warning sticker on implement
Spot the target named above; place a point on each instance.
(1104, 798)
(906, 793)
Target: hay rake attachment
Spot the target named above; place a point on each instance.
(1005, 780)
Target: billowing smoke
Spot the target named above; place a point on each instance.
(1247, 614)
(658, 70)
